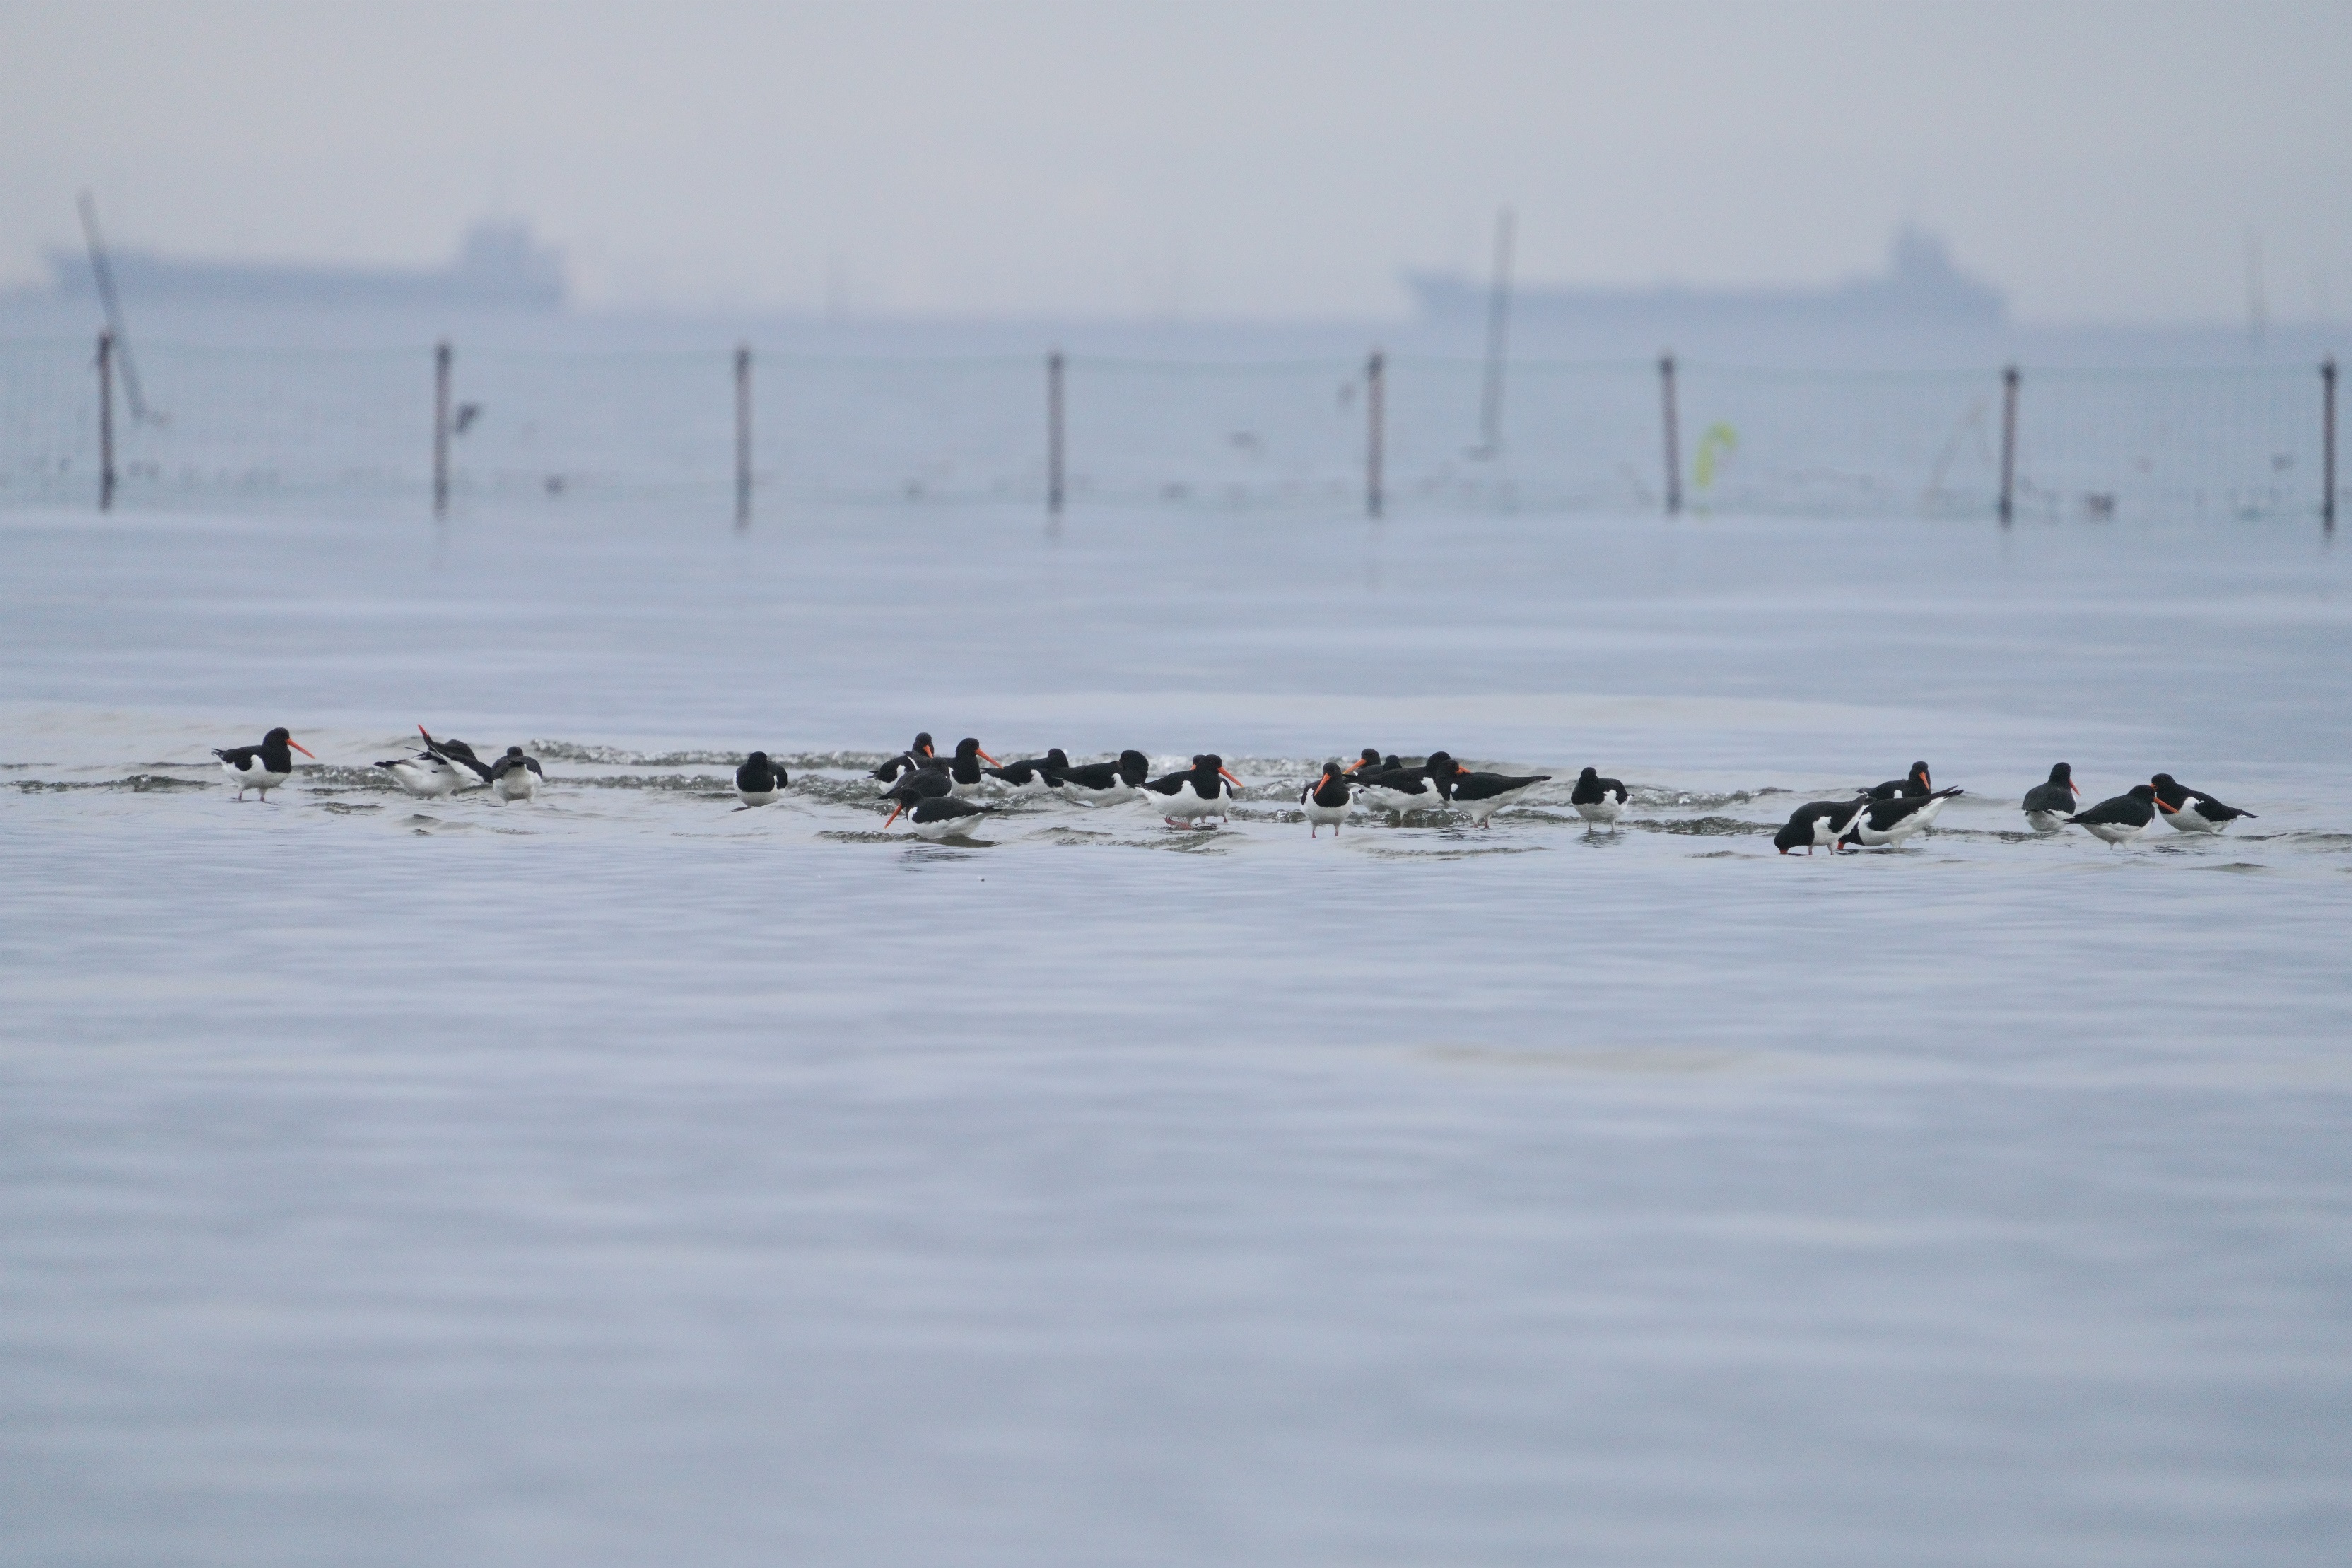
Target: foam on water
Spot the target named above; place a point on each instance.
(622, 1176)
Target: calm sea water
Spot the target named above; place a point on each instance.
(625, 1178)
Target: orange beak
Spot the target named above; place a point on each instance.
(301, 748)
(1228, 778)
(927, 751)
(894, 814)
(991, 761)
(2162, 806)
(1351, 767)
(2075, 787)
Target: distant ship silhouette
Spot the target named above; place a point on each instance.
(1919, 287)
(498, 267)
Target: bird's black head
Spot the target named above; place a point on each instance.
(1134, 767)
(2144, 793)
(1589, 775)
(760, 758)
(276, 737)
(922, 746)
(1440, 764)
(1390, 762)
(517, 752)
(1331, 770)
(2061, 773)
(1057, 758)
(2164, 782)
(1919, 775)
(1371, 758)
(1208, 762)
(967, 747)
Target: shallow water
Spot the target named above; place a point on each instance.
(626, 1177)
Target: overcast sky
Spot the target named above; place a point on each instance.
(2104, 162)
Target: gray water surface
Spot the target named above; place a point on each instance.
(624, 1178)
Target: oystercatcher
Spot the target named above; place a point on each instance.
(1199, 791)
(1894, 819)
(930, 781)
(905, 761)
(1327, 799)
(938, 816)
(2190, 810)
(2048, 805)
(428, 775)
(471, 771)
(515, 776)
(1597, 799)
(1818, 824)
(2123, 818)
(759, 780)
(1100, 783)
(1032, 772)
(1910, 786)
(1369, 760)
(1481, 795)
(263, 767)
(1400, 789)
(964, 769)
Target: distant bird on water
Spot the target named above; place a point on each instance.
(964, 769)
(759, 780)
(904, 761)
(1327, 800)
(1201, 790)
(1597, 799)
(1888, 821)
(2121, 819)
(2192, 810)
(2048, 805)
(1032, 772)
(1819, 824)
(515, 776)
(263, 767)
(938, 816)
(1481, 795)
(1911, 785)
(1102, 783)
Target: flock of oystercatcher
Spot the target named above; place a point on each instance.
(936, 793)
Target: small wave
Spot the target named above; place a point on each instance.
(1704, 826)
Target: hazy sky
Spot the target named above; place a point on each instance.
(2099, 162)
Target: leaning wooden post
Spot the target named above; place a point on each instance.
(1673, 436)
(1376, 418)
(744, 436)
(2327, 442)
(441, 428)
(2008, 444)
(106, 421)
(1053, 433)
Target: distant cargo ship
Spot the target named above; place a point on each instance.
(498, 267)
(1919, 287)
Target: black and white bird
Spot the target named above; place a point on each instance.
(1481, 795)
(936, 817)
(1368, 762)
(1399, 790)
(1892, 819)
(930, 781)
(2192, 810)
(1103, 784)
(263, 767)
(1597, 799)
(1204, 789)
(2121, 819)
(427, 776)
(964, 767)
(1911, 785)
(759, 780)
(1819, 825)
(2048, 805)
(471, 771)
(1327, 799)
(1032, 774)
(904, 761)
(515, 776)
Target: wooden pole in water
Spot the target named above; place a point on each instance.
(2327, 442)
(742, 435)
(106, 421)
(2008, 444)
(1673, 436)
(441, 428)
(1498, 326)
(1053, 433)
(1376, 418)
